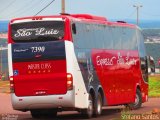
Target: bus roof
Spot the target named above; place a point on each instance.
(80, 17)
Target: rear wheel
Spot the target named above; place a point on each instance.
(98, 105)
(49, 113)
(138, 101)
(35, 113)
(88, 113)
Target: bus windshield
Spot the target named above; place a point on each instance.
(37, 31)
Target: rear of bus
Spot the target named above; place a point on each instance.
(39, 78)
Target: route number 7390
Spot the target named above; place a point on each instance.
(38, 49)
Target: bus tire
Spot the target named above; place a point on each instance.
(35, 114)
(138, 101)
(88, 113)
(98, 105)
(50, 113)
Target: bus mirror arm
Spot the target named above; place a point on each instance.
(143, 66)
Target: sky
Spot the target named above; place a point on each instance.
(111, 9)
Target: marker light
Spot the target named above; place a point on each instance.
(11, 84)
(69, 81)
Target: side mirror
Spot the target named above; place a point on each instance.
(151, 64)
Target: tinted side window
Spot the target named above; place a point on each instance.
(141, 47)
(117, 38)
(108, 40)
(78, 39)
(89, 36)
(129, 39)
(97, 36)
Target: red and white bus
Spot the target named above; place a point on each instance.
(75, 62)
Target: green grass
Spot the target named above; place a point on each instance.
(154, 86)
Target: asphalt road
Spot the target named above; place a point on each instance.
(109, 113)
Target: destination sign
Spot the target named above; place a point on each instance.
(37, 31)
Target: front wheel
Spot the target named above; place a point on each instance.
(88, 113)
(138, 101)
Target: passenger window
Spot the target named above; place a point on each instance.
(117, 38)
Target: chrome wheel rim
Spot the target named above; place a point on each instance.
(90, 107)
(99, 106)
(136, 100)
